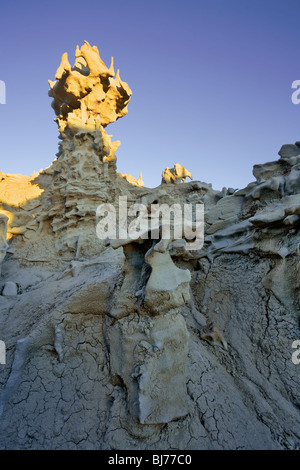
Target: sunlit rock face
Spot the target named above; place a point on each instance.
(88, 94)
(142, 343)
(86, 98)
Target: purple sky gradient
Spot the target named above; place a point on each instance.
(211, 81)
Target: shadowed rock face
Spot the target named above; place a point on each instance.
(142, 343)
(3, 234)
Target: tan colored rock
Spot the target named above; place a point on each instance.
(135, 182)
(19, 198)
(176, 174)
(16, 190)
(212, 335)
(87, 92)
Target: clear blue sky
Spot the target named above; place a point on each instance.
(211, 81)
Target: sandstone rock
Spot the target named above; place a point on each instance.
(87, 92)
(136, 182)
(176, 174)
(114, 344)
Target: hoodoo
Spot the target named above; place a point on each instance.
(143, 343)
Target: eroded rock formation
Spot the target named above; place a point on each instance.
(135, 181)
(141, 342)
(88, 95)
(176, 174)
